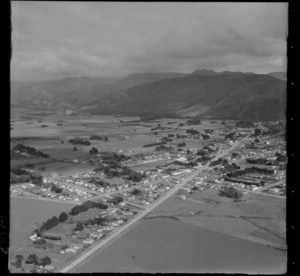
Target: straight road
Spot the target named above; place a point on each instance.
(169, 193)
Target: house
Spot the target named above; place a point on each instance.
(49, 267)
(88, 241)
(71, 250)
(115, 224)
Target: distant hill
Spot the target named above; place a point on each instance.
(141, 78)
(232, 95)
(204, 72)
(77, 91)
(278, 75)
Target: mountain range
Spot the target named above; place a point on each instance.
(205, 93)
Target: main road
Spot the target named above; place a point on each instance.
(169, 193)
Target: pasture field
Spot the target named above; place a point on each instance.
(255, 215)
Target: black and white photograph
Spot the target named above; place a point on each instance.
(148, 137)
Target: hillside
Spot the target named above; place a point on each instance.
(142, 78)
(235, 96)
(232, 95)
(77, 91)
(278, 75)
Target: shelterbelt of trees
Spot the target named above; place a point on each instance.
(52, 222)
(21, 151)
(250, 170)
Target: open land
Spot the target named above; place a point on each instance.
(124, 172)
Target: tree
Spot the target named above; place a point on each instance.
(257, 131)
(79, 227)
(19, 258)
(231, 192)
(63, 217)
(45, 261)
(31, 259)
(93, 151)
(136, 192)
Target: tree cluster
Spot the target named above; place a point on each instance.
(22, 176)
(136, 192)
(56, 189)
(116, 200)
(230, 136)
(166, 139)
(231, 192)
(95, 221)
(50, 223)
(154, 144)
(99, 137)
(280, 157)
(219, 161)
(181, 144)
(193, 122)
(244, 124)
(79, 141)
(192, 131)
(250, 170)
(34, 259)
(209, 131)
(163, 148)
(261, 161)
(30, 151)
(86, 206)
(79, 227)
(93, 150)
(205, 136)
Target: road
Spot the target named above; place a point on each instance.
(169, 193)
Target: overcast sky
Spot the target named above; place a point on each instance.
(63, 39)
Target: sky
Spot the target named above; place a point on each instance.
(65, 39)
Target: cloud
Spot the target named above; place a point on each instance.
(52, 39)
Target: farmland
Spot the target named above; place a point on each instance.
(118, 171)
